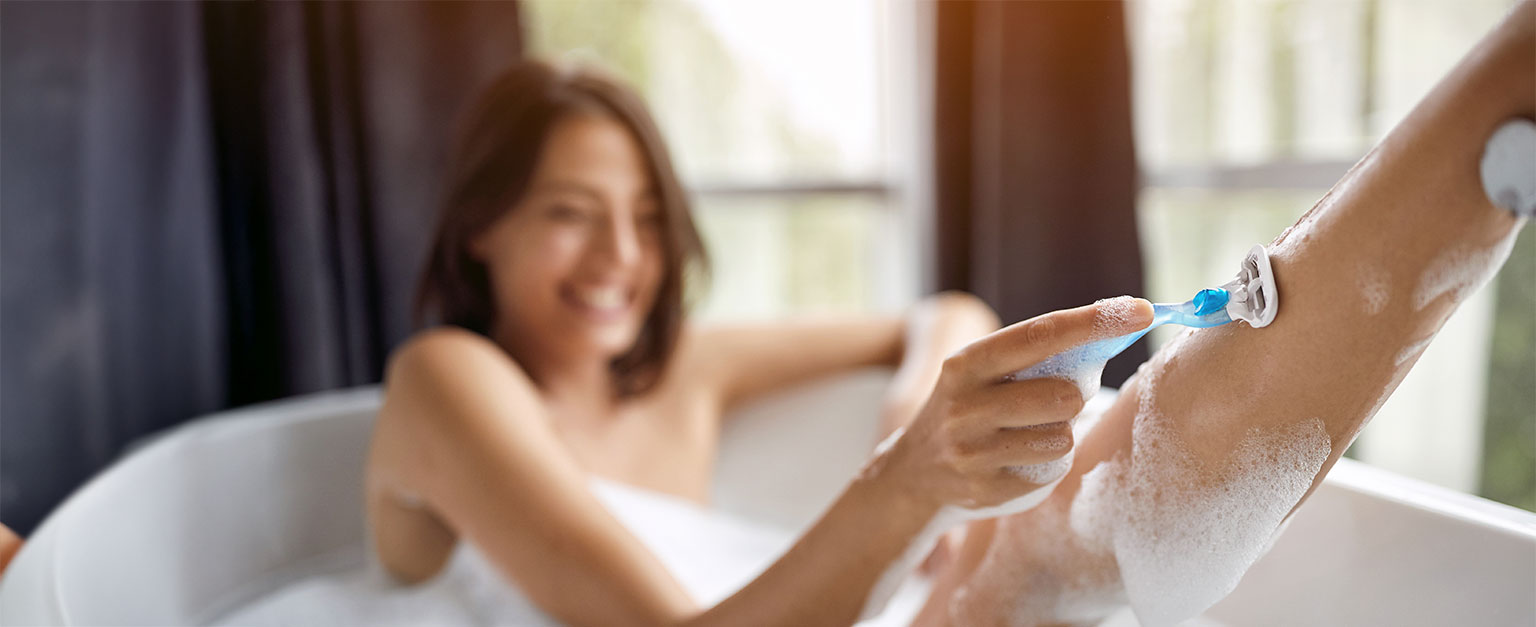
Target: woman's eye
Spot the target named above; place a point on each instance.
(651, 220)
(565, 213)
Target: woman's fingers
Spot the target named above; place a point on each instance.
(1027, 343)
(1020, 447)
(1016, 404)
(977, 431)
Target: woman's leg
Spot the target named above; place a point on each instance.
(1185, 480)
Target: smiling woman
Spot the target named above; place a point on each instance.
(562, 359)
(588, 194)
(586, 166)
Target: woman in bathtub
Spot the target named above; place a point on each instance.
(557, 268)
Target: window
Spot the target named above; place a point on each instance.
(1246, 112)
(800, 128)
(783, 120)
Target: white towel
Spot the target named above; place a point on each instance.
(711, 553)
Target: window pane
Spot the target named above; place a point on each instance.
(797, 254)
(1418, 42)
(744, 91)
(1264, 80)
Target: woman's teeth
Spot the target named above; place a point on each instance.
(601, 298)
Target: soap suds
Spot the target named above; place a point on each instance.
(1461, 270)
(1185, 529)
(1412, 350)
(1033, 573)
(1373, 289)
(1044, 472)
(1112, 316)
(1184, 533)
(1157, 527)
(1084, 365)
(1091, 518)
(1050, 443)
(1077, 365)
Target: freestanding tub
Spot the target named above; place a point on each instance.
(229, 507)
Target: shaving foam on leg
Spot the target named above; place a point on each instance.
(1461, 270)
(1157, 527)
(1373, 289)
(1411, 351)
(1184, 530)
(1083, 366)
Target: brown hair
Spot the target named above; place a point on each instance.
(497, 151)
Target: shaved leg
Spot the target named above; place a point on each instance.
(1185, 480)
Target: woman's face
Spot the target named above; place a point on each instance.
(576, 264)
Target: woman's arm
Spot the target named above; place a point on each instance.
(746, 360)
(1186, 478)
(484, 460)
(463, 430)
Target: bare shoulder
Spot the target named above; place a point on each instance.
(439, 348)
(424, 379)
(450, 356)
(443, 388)
(447, 380)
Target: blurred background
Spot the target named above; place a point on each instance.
(206, 206)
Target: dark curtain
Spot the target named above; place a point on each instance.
(1035, 165)
(207, 205)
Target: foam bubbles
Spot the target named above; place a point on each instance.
(1044, 472)
(1156, 526)
(1049, 443)
(1412, 350)
(1184, 529)
(1034, 574)
(1084, 365)
(1461, 270)
(1373, 289)
(1092, 514)
(1078, 365)
(1112, 317)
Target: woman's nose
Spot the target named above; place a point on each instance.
(620, 242)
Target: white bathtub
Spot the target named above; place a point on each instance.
(227, 508)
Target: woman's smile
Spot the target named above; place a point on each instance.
(605, 303)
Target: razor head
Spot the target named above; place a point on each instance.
(1255, 299)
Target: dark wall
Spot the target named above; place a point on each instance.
(206, 205)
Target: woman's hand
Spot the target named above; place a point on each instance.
(977, 424)
(935, 328)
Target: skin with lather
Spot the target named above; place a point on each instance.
(1410, 221)
(498, 450)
